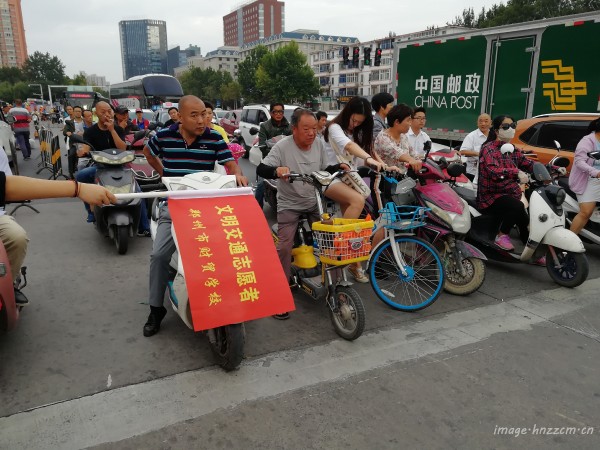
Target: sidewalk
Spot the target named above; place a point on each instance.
(467, 379)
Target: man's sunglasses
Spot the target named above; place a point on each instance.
(506, 126)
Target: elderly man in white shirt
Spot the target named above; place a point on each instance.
(473, 142)
(416, 136)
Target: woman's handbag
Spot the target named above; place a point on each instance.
(352, 179)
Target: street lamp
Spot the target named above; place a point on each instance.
(41, 92)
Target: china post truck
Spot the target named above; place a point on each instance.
(526, 69)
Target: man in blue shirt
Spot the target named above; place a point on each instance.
(185, 147)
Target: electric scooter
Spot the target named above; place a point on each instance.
(226, 342)
(118, 221)
(338, 242)
(566, 262)
(9, 308)
(591, 230)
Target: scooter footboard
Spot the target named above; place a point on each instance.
(564, 239)
(468, 250)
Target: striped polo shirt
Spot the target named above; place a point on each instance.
(180, 158)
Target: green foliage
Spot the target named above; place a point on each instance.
(247, 75)
(9, 91)
(78, 80)
(11, 75)
(231, 93)
(205, 83)
(43, 68)
(517, 11)
(285, 76)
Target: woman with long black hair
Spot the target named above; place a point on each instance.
(349, 139)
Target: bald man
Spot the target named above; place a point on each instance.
(472, 144)
(189, 147)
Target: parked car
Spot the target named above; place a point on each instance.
(537, 135)
(253, 116)
(160, 115)
(231, 121)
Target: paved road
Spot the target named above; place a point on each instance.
(77, 371)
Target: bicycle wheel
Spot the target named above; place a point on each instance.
(419, 286)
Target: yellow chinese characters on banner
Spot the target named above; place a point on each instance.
(231, 266)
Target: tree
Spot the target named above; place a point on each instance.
(11, 75)
(247, 74)
(205, 83)
(517, 11)
(43, 68)
(79, 80)
(231, 93)
(285, 76)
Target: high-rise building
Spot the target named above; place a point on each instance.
(178, 57)
(13, 46)
(143, 47)
(253, 21)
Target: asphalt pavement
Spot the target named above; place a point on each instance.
(485, 371)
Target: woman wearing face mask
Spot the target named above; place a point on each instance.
(501, 168)
(585, 176)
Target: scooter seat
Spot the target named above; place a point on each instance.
(563, 182)
(468, 195)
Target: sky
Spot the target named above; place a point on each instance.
(84, 35)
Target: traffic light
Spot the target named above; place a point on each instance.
(378, 56)
(346, 54)
(355, 56)
(367, 55)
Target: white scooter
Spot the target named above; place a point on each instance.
(591, 231)
(226, 342)
(566, 262)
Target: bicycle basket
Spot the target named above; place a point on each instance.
(403, 217)
(344, 242)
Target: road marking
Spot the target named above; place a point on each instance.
(109, 382)
(129, 411)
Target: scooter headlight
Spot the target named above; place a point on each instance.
(556, 195)
(440, 213)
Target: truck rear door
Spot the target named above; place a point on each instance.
(510, 72)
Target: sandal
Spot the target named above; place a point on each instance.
(359, 274)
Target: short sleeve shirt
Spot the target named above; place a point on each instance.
(341, 139)
(389, 149)
(296, 196)
(102, 139)
(181, 158)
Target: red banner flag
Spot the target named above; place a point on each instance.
(232, 271)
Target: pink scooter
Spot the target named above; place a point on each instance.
(9, 308)
(447, 225)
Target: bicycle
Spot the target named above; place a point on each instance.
(405, 271)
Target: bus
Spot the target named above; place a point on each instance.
(146, 91)
(85, 99)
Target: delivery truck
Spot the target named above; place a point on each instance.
(524, 70)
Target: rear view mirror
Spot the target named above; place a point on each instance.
(561, 161)
(456, 170)
(557, 145)
(427, 146)
(237, 133)
(253, 131)
(594, 155)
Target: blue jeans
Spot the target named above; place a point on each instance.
(22, 138)
(88, 175)
(259, 194)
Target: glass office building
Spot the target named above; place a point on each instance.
(143, 47)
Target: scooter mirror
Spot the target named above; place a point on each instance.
(139, 135)
(253, 131)
(456, 170)
(561, 161)
(237, 133)
(557, 145)
(594, 155)
(153, 126)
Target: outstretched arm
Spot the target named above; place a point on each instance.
(25, 188)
